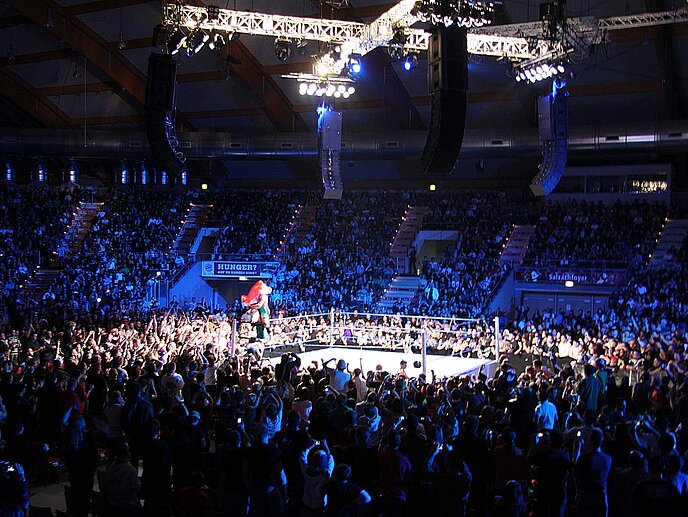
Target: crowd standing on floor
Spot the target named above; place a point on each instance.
(586, 414)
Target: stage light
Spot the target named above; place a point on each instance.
(550, 65)
(121, 44)
(282, 49)
(355, 66)
(176, 41)
(218, 41)
(433, 187)
(411, 61)
(204, 186)
(196, 41)
(568, 283)
(303, 88)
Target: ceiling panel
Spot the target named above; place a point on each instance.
(137, 21)
(215, 95)
(26, 39)
(96, 105)
(57, 73)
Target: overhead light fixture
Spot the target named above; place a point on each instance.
(355, 65)
(464, 13)
(282, 49)
(337, 88)
(217, 42)
(121, 45)
(176, 40)
(550, 66)
(77, 72)
(49, 22)
(197, 39)
(411, 61)
(213, 12)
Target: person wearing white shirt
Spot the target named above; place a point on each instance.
(361, 386)
(546, 413)
(339, 377)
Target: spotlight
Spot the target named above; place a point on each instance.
(213, 12)
(121, 45)
(303, 88)
(196, 41)
(176, 41)
(355, 64)
(282, 49)
(411, 61)
(77, 73)
(217, 42)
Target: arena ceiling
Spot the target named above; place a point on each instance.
(62, 66)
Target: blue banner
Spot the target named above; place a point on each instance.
(229, 269)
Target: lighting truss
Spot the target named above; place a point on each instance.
(518, 42)
(644, 20)
(323, 87)
(464, 13)
(552, 64)
(361, 37)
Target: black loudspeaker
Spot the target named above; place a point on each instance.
(448, 82)
(162, 82)
(553, 130)
(160, 108)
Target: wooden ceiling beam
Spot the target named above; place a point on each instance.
(28, 100)
(104, 61)
(278, 107)
(72, 89)
(39, 57)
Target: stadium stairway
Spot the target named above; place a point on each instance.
(516, 245)
(196, 216)
(79, 228)
(405, 237)
(300, 226)
(401, 290)
(49, 270)
(672, 236)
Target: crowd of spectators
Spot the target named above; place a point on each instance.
(33, 219)
(344, 260)
(253, 223)
(127, 247)
(462, 281)
(586, 414)
(170, 419)
(573, 232)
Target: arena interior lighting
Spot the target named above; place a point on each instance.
(176, 40)
(217, 42)
(551, 65)
(524, 44)
(464, 13)
(196, 41)
(411, 61)
(355, 66)
(336, 89)
(282, 49)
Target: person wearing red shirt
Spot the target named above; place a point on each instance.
(395, 473)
